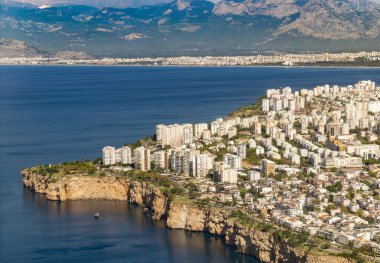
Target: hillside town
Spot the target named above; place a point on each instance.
(281, 59)
(306, 160)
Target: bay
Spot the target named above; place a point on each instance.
(50, 114)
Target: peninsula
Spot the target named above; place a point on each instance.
(292, 178)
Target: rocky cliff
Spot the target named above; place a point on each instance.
(179, 215)
(263, 245)
(82, 187)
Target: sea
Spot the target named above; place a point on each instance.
(51, 114)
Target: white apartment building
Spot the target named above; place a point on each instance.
(174, 135)
(241, 150)
(176, 161)
(161, 159)
(259, 150)
(142, 159)
(202, 164)
(232, 131)
(109, 155)
(206, 135)
(266, 105)
(187, 134)
(254, 175)
(364, 150)
(188, 157)
(232, 160)
(214, 127)
(112, 155)
(374, 106)
(340, 162)
(228, 175)
(199, 128)
(123, 155)
(222, 130)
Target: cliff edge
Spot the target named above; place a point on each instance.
(265, 246)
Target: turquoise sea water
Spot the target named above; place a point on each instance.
(54, 114)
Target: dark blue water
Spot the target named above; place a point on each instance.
(54, 114)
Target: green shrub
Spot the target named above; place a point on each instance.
(325, 245)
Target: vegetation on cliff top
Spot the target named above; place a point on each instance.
(55, 172)
(249, 110)
(168, 187)
(93, 168)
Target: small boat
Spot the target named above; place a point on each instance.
(97, 215)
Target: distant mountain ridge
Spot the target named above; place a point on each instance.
(198, 27)
(94, 3)
(10, 48)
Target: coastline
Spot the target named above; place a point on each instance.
(182, 214)
(192, 216)
(191, 66)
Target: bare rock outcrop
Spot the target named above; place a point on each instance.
(78, 187)
(263, 245)
(178, 214)
(82, 187)
(11, 48)
(329, 19)
(275, 8)
(72, 55)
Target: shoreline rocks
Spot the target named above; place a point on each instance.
(262, 245)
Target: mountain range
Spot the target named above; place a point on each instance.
(95, 3)
(197, 27)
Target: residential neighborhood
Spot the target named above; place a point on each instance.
(306, 160)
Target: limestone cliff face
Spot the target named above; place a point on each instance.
(77, 187)
(262, 245)
(145, 194)
(98, 188)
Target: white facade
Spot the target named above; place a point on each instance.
(254, 175)
(202, 164)
(174, 135)
(206, 135)
(187, 161)
(112, 155)
(228, 175)
(142, 159)
(199, 128)
(374, 106)
(232, 160)
(265, 105)
(241, 150)
(232, 131)
(176, 161)
(161, 159)
(109, 155)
